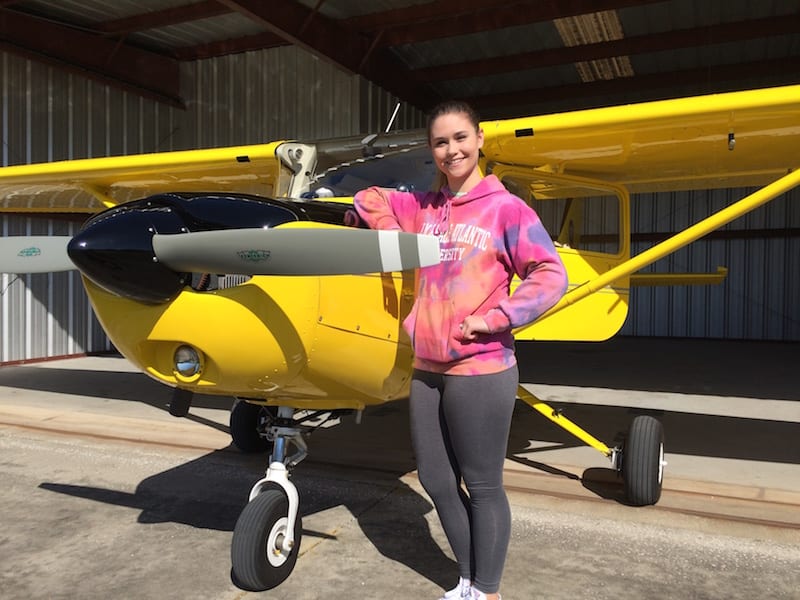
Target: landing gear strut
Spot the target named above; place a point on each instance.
(266, 538)
(639, 460)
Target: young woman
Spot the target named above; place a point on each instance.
(465, 378)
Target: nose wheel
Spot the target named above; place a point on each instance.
(266, 538)
(260, 557)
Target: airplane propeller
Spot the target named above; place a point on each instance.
(34, 254)
(291, 251)
(295, 251)
(147, 250)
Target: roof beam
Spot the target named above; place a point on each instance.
(163, 18)
(449, 18)
(328, 39)
(300, 26)
(411, 16)
(630, 46)
(258, 41)
(110, 61)
(186, 13)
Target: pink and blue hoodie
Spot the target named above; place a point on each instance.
(486, 237)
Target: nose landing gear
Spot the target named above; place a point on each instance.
(265, 545)
(266, 538)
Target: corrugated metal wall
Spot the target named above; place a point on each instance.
(47, 114)
(284, 93)
(249, 98)
(759, 300)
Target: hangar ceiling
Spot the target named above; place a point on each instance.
(509, 58)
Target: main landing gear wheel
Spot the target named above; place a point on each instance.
(258, 558)
(643, 461)
(246, 424)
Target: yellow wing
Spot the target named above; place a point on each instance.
(735, 139)
(91, 185)
(722, 140)
(577, 169)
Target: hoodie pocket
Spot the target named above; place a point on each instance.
(431, 326)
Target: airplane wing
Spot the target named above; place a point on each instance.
(735, 139)
(94, 184)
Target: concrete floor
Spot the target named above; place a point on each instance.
(134, 503)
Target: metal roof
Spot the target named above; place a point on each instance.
(509, 58)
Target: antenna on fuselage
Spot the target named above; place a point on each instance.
(391, 121)
(368, 141)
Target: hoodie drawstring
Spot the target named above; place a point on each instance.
(444, 221)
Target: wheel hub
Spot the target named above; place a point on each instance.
(277, 535)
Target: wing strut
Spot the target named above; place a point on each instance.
(690, 234)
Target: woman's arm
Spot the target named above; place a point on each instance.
(374, 206)
(535, 261)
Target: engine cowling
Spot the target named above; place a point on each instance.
(114, 248)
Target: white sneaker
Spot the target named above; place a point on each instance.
(462, 590)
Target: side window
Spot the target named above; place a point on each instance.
(403, 170)
(576, 217)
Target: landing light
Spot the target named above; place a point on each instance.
(187, 361)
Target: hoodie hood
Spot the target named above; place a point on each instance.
(487, 186)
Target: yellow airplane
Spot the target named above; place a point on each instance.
(242, 271)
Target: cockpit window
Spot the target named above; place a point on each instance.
(408, 169)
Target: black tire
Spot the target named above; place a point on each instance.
(642, 461)
(244, 424)
(257, 561)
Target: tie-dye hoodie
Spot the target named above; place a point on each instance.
(486, 236)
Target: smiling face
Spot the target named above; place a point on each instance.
(455, 144)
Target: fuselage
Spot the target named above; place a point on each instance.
(298, 339)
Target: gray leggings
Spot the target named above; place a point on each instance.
(459, 429)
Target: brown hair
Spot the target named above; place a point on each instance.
(449, 107)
